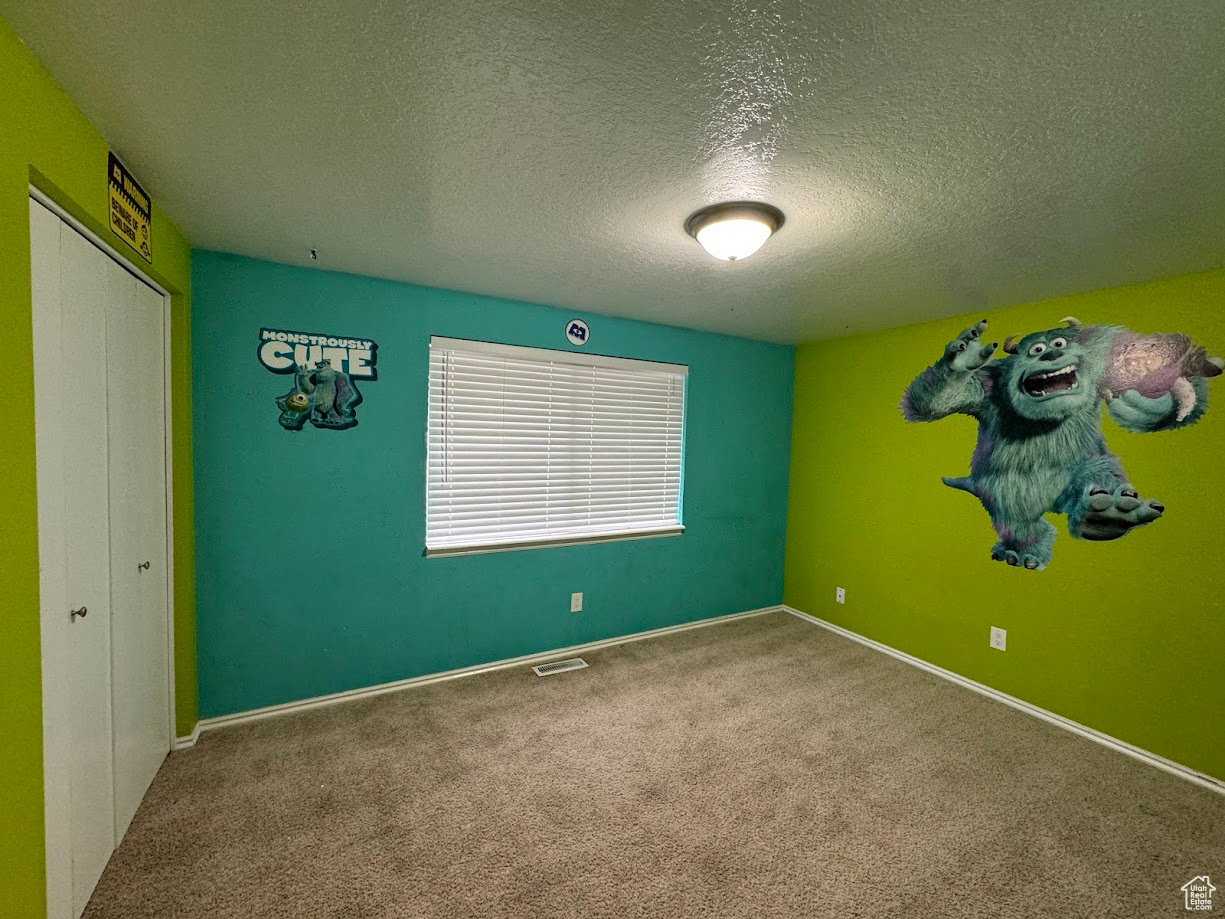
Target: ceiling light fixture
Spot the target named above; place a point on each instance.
(735, 229)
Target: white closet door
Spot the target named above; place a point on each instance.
(99, 379)
(137, 435)
(84, 287)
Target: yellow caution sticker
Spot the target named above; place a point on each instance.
(131, 209)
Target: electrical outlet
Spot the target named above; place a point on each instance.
(840, 594)
(576, 603)
(999, 639)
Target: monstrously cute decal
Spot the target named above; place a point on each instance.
(1040, 447)
(324, 369)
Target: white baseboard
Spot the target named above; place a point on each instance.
(1144, 756)
(272, 711)
(182, 743)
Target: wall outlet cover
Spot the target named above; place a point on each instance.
(576, 603)
(999, 639)
(840, 594)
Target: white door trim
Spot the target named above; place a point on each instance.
(168, 413)
(51, 535)
(53, 591)
(99, 243)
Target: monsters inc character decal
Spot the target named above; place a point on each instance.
(323, 395)
(1040, 447)
(324, 370)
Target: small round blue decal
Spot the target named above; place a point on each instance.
(577, 332)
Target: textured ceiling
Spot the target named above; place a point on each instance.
(931, 156)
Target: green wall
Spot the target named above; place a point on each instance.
(45, 141)
(1123, 636)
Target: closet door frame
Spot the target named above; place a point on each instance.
(53, 592)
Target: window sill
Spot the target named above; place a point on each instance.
(445, 551)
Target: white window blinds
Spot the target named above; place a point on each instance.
(528, 446)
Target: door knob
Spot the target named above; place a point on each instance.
(72, 615)
(143, 566)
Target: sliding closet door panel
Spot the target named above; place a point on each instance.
(136, 398)
(87, 663)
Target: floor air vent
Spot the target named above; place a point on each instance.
(575, 663)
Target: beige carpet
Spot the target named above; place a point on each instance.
(760, 768)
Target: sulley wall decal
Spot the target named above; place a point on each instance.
(1040, 447)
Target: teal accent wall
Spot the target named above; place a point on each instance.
(310, 575)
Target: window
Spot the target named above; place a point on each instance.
(529, 447)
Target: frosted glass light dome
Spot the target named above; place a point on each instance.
(734, 230)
